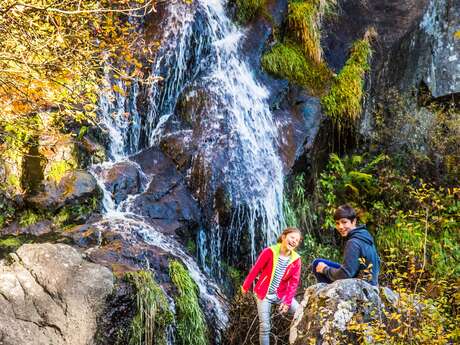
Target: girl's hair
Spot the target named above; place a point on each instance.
(288, 231)
(345, 211)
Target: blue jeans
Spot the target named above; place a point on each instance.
(321, 278)
(264, 308)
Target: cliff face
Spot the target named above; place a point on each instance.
(429, 54)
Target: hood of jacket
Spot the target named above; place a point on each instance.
(361, 233)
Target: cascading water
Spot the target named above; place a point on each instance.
(200, 48)
(238, 115)
(119, 115)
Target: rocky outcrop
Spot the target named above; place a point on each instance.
(328, 310)
(50, 294)
(74, 187)
(391, 20)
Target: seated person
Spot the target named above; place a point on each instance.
(360, 258)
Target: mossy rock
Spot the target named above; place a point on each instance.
(343, 102)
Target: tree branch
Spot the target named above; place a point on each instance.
(79, 11)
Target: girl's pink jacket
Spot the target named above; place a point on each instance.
(265, 265)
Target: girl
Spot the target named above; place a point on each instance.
(279, 268)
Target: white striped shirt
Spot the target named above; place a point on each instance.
(281, 266)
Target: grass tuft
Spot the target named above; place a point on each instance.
(190, 321)
(303, 23)
(153, 315)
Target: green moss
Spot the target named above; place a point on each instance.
(247, 9)
(343, 102)
(28, 218)
(288, 61)
(303, 25)
(77, 214)
(191, 324)
(153, 315)
(9, 243)
(191, 246)
(58, 170)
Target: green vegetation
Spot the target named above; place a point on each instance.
(52, 60)
(287, 60)
(76, 214)
(190, 321)
(153, 315)
(9, 244)
(59, 168)
(298, 56)
(29, 217)
(415, 225)
(303, 24)
(248, 9)
(298, 212)
(343, 102)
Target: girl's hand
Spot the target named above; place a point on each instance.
(283, 308)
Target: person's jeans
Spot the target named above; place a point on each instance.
(264, 308)
(321, 278)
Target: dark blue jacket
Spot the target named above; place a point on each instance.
(360, 258)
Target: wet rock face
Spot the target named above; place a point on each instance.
(75, 186)
(298, 123)
(123, 179)
(166, 202)
(429, 54)
(328, 309)
(50, 294)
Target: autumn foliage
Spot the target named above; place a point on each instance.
(53, 55)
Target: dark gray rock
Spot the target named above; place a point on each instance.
(429, 54)
(167, 202)
(123, 179)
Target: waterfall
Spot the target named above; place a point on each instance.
(239, 116)
(200, 47)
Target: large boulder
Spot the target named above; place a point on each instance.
(327, 311)
(167, 202)
(50, 295)
(73, 187)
